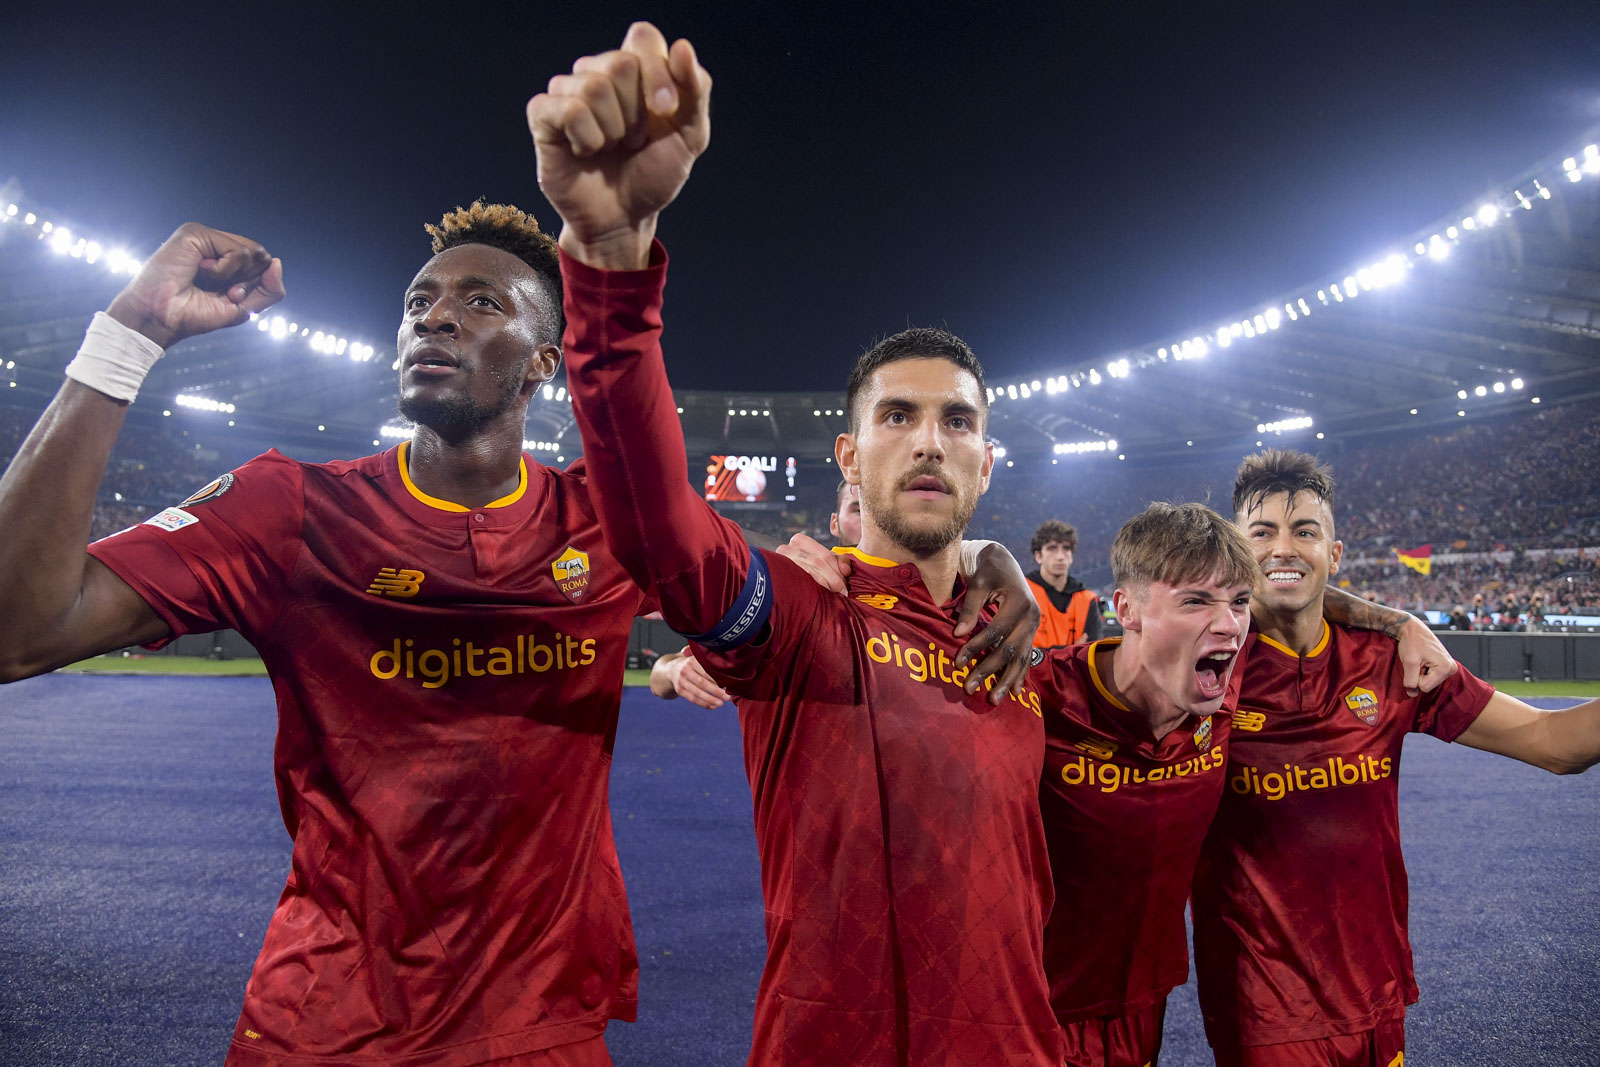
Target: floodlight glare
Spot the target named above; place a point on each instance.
(1499, 387)
(561, 394)
(1516, 383)
(1489, 214)
(1011, 391)
(1451, 232)
(549, 392)
(1468, 223)
(1461, 394)
(11, 209)
(1480, 391)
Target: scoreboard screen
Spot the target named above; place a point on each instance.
(749, 479)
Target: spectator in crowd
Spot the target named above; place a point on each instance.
(1069, 614)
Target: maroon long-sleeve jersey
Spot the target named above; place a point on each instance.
(903, 861)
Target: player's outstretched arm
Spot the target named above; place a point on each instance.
(1563, 742)
(57, 604)
(1424, 661)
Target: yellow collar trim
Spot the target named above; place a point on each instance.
(1094, 672)
(876, 561)
(1322, 644)
(450, 505)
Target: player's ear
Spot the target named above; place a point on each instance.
(1126, 607)
(844, 453)
(1335, 554)
(988, 467)
(542, 364)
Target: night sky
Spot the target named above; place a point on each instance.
(1054, 182)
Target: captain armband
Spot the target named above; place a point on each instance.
(748, 614)
(113, 359)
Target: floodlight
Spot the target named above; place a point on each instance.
(1480, 391)
(1499, 387)
(1516, 383)
(1489, 214)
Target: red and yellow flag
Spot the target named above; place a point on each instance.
(1419, 559)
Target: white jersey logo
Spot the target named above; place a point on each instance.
(171, 519)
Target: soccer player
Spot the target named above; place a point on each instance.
(1068, 612)
(903, 861)
(445, 631)
(1133, 773)
(1300, 899)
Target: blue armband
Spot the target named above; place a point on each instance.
(748, 613)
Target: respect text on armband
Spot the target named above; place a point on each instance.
(436, 668)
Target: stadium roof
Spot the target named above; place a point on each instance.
(1493, 306)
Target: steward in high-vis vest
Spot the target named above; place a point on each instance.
(1068, 612)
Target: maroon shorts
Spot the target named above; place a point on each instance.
(1382, 1046)
(1132, 1040)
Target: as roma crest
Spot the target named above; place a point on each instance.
(1363, 703)
(571, 571)
(1202, 734)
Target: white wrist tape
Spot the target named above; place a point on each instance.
(113, 358)
(969, 556)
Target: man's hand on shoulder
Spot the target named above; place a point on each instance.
(828, 569)
(199, 280)
(997, 580)
(1424, 661)
(616, 140)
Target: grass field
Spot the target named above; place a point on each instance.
(252, 667)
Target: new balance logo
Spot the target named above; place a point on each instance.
(391, 582)
(881, 601)
(1251, 721)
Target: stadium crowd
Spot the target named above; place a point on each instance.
(1490, 493)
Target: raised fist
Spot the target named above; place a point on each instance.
(199, 280)
(616, 139)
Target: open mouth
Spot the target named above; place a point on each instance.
(434, 359)
(1211, 672)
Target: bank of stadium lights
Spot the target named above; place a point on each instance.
(1390, 270)
(1074, 448)
(758, 412)
(1284, 425)
(1498, 388)
(540, 446)
(832, 411)
(62, 241)
(202, 403)
(325, 342)
(557, 393)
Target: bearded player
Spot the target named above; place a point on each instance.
(1300, 899)
(903, 862)
(445, 632)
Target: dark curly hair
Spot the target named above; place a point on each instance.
(513, 230)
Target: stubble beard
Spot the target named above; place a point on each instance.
(918, 538)
(457, 415)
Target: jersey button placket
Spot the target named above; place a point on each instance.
(478, 516)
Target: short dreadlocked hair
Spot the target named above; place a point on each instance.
(513, 230)
(1280, 470)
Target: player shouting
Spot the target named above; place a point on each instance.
(903, 860)
(1300, 899)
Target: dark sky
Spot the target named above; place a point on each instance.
(1053, 181)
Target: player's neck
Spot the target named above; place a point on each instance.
(1058, 586)
(1128, 680)
(473, 472)
(1298, 630)
(938, 568)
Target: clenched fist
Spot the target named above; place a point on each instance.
(199, 280)
(616, 139)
